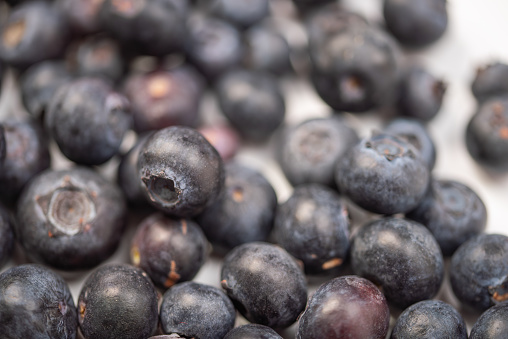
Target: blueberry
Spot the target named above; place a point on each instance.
(421, 94)
(88, 120)
(430, 319)
(305, 5)
(492, 324)
(223, 138)
(313, 226)
(3, 146)
(453, 212)
(415, 133)
(487, 135)
(356, 69)
(155, 27)
(35, 302)
(195, 310)
(416, 23)
(40, 82)
(70, 219)
(244, 212)
(168, 250)
(309, 151)
(27, 154)
(345, 307)
(214, 45)
(252, 102)
(33, 31)
(6, 235)
(117, 301)
(82, 15)
(265, 284)
(479, 271)
(180, 171)
(241, 13)
(400, 256)
(383, 174)
(252, 331)
(164, 98)
(491, 80)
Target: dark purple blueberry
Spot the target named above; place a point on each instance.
(40, 82)
(180, 171)
(487, 134)
(252, 102)
(194, 310)
(244, 212)
(400, 256)
(453, 212)
(490, 81)
(88, 120)
(430, 319)
(265, 283)
(416, 23)
(421, 94)
(82, 15)
(305, 5)
(127, 174)
(309, 151)
(492, 324)
(70, 219)
(356, 69)
(214, 46)
(313, 226)
(252, 331)
(164, 98)
(241, 13)
(6, 235)
(415, 133)
(346, 307)
(479, 271)
(266, 50)
(224, 138)
(98, 56)
(33, 31)
(3, 145)
(35, 302)
(27, 154)
(117, 301)
(155, 27)
(383, 174)
(168, 250)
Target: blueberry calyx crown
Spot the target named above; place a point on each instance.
(388, 146)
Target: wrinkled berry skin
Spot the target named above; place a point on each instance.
(6, 235)
(252, 102)
(414, 132)
(416, 23)
(487, 135)
(492, 324)
(180, 171)
(33, 31)
(88, 120)
(490, 81)
(244, 212)
(40, 82)
(35, 302)
(383, 174)
(265, 284)
(421, 94)
(309, 151)
(194, 310)
(313, 226)
(252, 331)
(479, 271)
(70, 219)
(430, 319)
(333, 312)
(453, 212)
(402, 257)
(27, 154)
(241, 13)
(117, 301)
(168, 250)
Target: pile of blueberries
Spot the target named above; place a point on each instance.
(92, 71)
